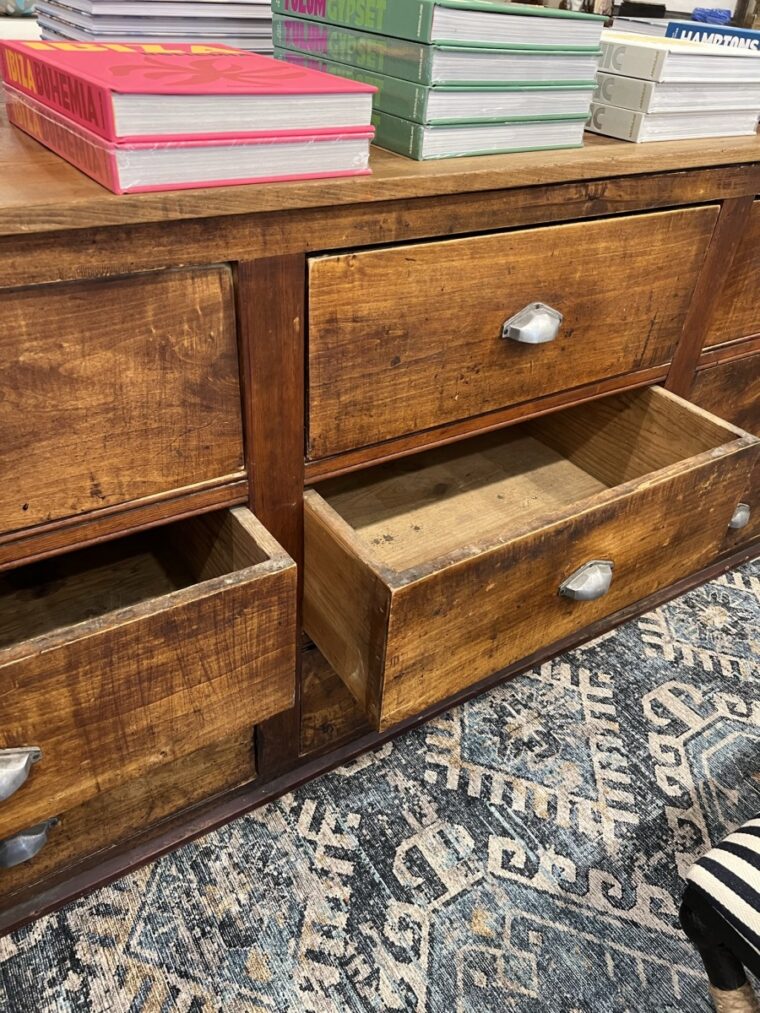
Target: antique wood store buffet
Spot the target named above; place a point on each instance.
(288, 468)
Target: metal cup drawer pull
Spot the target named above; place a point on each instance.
(536, 324)
(15, 765)
(740, 517)
(588, 582)
(26, 844)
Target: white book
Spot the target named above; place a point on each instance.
(170, 8)
(168, 27)
(629, 125)
(54, 33)
(675, 59)
(504, 66)
(471, 25)
(672, 96)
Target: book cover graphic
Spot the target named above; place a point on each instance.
(716, 35)
(408, 19)
(77, 79)
(96, 157)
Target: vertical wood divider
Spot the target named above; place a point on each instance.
(732, 219)
(271, 307)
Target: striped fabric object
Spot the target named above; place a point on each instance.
(728, 876)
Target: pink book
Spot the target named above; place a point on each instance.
(140, 166)
(124, 91)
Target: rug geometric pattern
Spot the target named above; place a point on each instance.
(525, 851)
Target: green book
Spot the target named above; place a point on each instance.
(421, 141)
(426, 64)
(460, 22)
(458, 103)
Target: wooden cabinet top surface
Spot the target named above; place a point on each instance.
(40, 192)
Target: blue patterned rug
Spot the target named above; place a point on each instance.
(522, 852)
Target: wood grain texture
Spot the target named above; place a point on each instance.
(40, 192)
(627, 437)
(329, 713)
(730, 227)
(97, 252)
(131, 664)
(737, 312)
(731, 388)
(346, 599)
(409, 338)
(55, 891)
(489, 611)
(402, 639)
(128, 810)
(405, 446)
(271, 313)
(17, 548)
(115, 391)
(425, 507)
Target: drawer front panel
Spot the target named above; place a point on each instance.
(108, 698)
(123, 813)
(732, 390)
(423, 577)
(737, 314)
(116, 390)
(406, 339)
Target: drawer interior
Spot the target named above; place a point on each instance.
(130, 655)
(92, 582)
(493, 487)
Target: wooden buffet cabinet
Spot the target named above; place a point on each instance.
(288, 468)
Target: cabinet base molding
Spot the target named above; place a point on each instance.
(52, 893)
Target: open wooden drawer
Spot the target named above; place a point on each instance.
(425, 575)
(121, 657)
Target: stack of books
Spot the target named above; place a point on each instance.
(453, 77)
(244, 24)
(653, 89)
(135, 119)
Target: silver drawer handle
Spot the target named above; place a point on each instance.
(740, 517)
(25, 845)
(589, 582)
(15, 765)
(536, 324)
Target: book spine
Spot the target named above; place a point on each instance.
(615, 122)
(632, 61)
(65, 139)
(410, 61)
(400, 98)
(734, 38)
(399, 135)
(406, 19)
(86, 104)
(628, 92)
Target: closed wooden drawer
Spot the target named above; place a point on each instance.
(428, 574)
(121, 657)
(737, 313)
(116, 390)
(126, 811)
(731, 389)
(406, 339)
